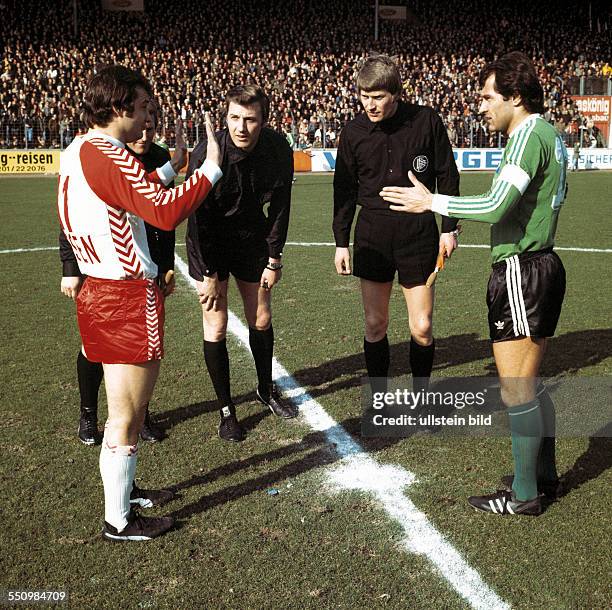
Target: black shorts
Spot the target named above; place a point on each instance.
(386, 242)
(244, 255)
(525, 295)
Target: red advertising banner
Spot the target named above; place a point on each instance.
(123, 5)
(388, 11)
(596, 108)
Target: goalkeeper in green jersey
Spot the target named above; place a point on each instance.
(527, 282)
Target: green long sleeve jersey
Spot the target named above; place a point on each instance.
(528, 189)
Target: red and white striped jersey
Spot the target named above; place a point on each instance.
(104, 197)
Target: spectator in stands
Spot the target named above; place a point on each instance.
(306, 73)
(576, 156)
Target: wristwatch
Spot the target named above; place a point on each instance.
(457, 232)
(274, 266)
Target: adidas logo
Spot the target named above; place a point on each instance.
(499, 325)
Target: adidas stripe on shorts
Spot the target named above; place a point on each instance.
(525, 294)
(121, 321)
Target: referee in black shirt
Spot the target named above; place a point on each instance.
(230, 233)
(377, 149)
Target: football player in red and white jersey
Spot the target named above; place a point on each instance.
(104, 197)
(161, 246)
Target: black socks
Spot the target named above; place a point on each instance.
(90, 376)
(421, 363)
(377, 357)
(262, 347)
(217, 363)
(377, 363)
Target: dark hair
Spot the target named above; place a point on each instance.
(245, 95)
(516, 76)
(111, 88)
(379, 73)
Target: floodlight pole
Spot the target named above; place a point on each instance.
(75, 20)
(590, 17)
(376, 20)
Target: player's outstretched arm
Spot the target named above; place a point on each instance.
(121, 181)
(489, 207)
(413, 199)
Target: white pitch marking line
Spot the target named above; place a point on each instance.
(358, 470)
(330, 243)
(17, 250)
(485, 246)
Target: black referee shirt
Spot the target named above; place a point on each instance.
(373, 155)
(234, 209)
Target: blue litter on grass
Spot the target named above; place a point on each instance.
(272, 491)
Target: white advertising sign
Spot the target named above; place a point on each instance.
(479, 159)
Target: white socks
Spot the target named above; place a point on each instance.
(117, 467)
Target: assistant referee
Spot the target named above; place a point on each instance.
(377, 149)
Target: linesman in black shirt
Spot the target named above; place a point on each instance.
(230, 233)
(377, 149)
(161, 247)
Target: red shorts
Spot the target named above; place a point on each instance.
(121, 321)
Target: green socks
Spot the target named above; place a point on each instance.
(547, 467)
(526, 433)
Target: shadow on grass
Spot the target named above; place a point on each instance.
(572, 352)
(568, 353)
(166, 420)
(313, 451)
(316, 450)
(347, 372)
(593, 462)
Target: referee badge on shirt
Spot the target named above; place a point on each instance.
(420, 163)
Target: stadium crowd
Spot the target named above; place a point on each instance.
(304, 54)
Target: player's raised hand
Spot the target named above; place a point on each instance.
(179, 158)
(407, 198)
(213, 152)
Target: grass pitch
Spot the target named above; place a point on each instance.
(308, 546)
